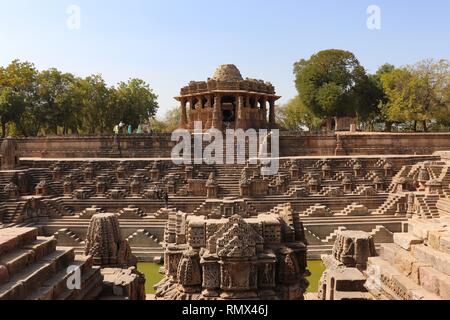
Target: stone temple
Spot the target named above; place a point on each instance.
(228, 101)
(373, 207)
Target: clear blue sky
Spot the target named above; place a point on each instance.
(170, 42)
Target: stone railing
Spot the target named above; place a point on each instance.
(159, 145)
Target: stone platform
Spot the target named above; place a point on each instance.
(35, 268)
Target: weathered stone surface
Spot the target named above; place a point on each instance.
(406, 240)
(438, 260)
(235, 258)
(105, 243)
(353, 248)
(33, 268)
(126, 284)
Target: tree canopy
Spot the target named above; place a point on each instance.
(332, 83)
(46, 102)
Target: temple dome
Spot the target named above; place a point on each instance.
(227, 72)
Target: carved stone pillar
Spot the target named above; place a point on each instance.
(104, 242)
(272, 113)
(211, 277)
(210, 112)
(191, 114)
(240, 121)
(264, 112)
(217, 119)
(247, 101)
(183, 117)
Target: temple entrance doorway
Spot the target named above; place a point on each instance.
(229, 111)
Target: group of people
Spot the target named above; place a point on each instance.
(122, 128)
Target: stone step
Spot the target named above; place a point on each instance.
(382, 276)
(91, 284)
(32, 276)
(437, 259)
(14, 238)
(406, 240)
(42, 246)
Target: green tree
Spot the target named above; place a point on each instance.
(378, 98)
(93, 98)
(416, 94)
(136, 102)
(169, 123)
(18, 98)
(55, 97)
(294, 116)
(331, 83)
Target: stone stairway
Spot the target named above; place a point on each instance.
(228, 177)
(389, 207)
(318, 210)
(34, 268)
(403, 172)
(428, 205)
(445, 179)
(415, 266)
(12, 211)
(354, 209)
(66, 237)
(5, 178)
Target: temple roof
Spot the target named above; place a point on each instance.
(227, 72)
(228, 79)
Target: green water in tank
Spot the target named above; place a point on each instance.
(152, 275)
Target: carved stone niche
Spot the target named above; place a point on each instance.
(238, 279)
(388, 169)
(154, 172)
(121, 171)
(42, 188)
(358, 170)
(259, 187)
(101, 184)
(289, 274)
(11, 191)
(89, 172)
(189, 172)
(189, 272)
(294, 171)
(117, 194)
(82, 193)
(211, 276)
(172, 258)
(244, 188)
(379, 183)
(211, 187)
(135, 185)
(267, 271)
(197, 187)
(354, 248)
(403, 185)
(281, 184)
(104, 242)
(171, 187)
(57, 172)
(347, 184)
(313, 185)
(23, 182)
(68, 185)
(326, 171)
(9, 154)
(423, 178)
(433, 187)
